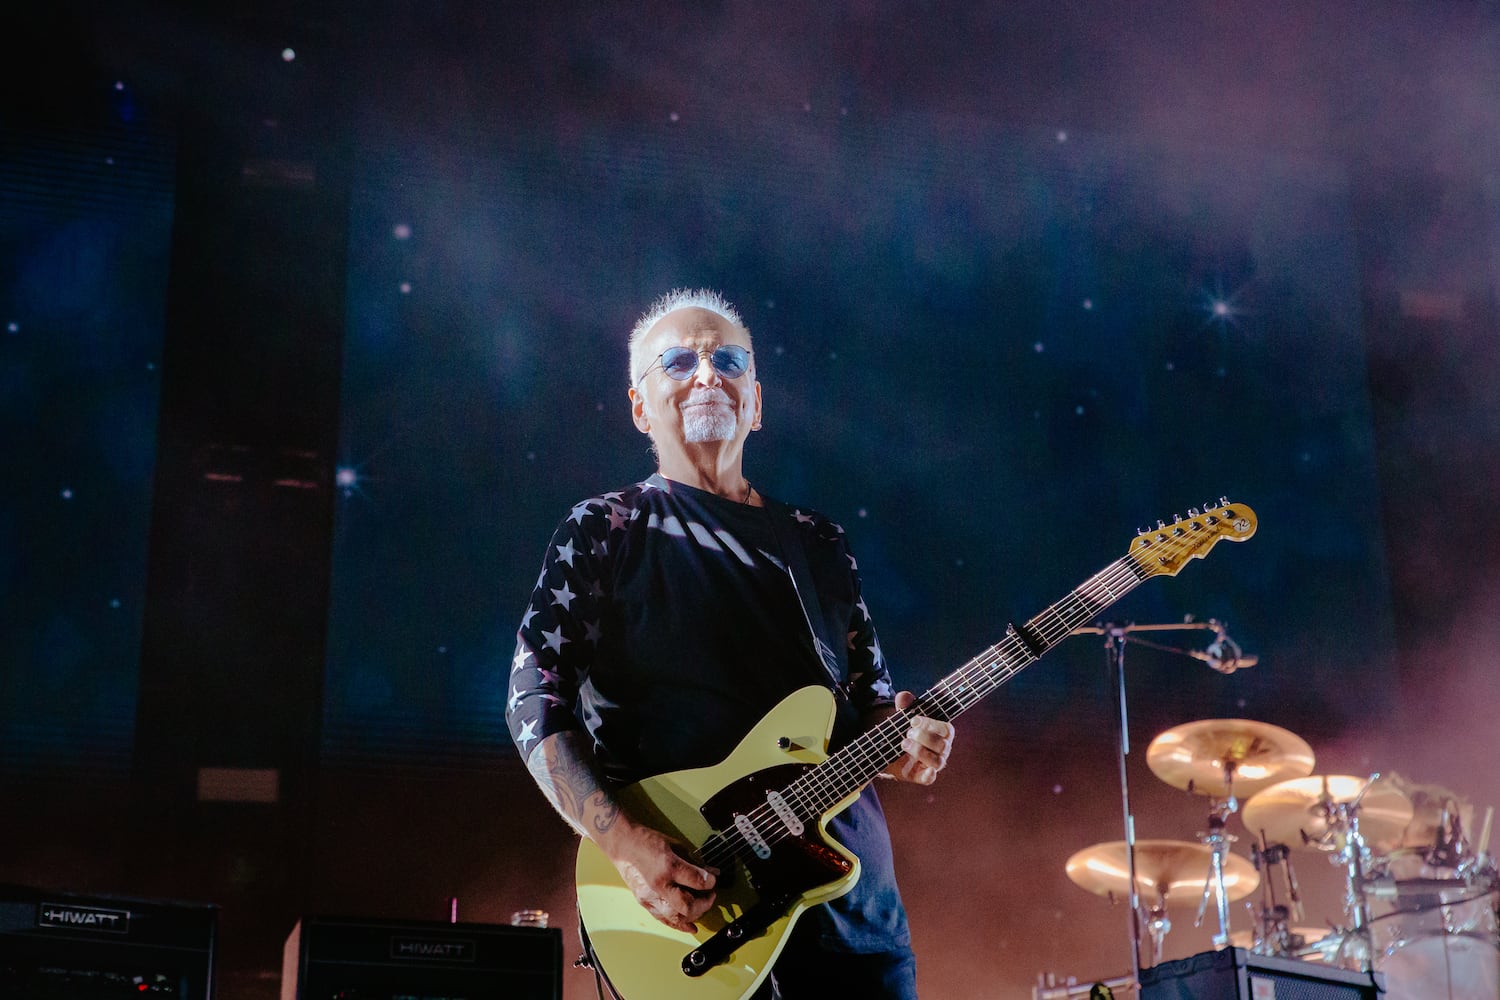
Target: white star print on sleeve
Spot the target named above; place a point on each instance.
(561, 629)
(869, 677)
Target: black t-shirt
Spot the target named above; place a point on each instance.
(666, 623)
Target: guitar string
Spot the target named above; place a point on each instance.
(1125, 574)
(815, 794)
(954, 694)
(814, 798)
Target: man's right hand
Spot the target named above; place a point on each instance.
(674, 890)
(671, 888)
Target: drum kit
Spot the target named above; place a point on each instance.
(1419, 895)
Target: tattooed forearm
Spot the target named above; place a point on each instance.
(564, 768)
(606, 813)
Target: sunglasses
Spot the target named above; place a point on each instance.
(681, 363)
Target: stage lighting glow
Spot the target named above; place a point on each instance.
(287, 55)
(346, 478)
(401, 231)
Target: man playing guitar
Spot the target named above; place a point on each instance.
(671, 616)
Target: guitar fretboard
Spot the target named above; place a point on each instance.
(856, 764)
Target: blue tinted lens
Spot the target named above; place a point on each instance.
(679, 362)
(730, 361)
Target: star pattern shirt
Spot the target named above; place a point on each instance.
(660, 601)
(666, 622)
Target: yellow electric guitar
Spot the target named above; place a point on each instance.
(759, 816)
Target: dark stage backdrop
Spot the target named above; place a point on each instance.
(991, 354)
(85, 225)
(1022, 278)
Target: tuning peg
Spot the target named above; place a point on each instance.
(1176, 518)
(1142, 530)
(1192, 512)
(1223, 501)
(1160, 525)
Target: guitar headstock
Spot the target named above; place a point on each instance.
(1166, 548)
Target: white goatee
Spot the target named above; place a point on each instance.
(716, 422)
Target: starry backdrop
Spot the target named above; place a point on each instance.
(1022, 278)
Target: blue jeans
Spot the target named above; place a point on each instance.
(805, 972)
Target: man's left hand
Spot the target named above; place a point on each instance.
(927, 744)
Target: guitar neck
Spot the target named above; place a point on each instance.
(857, 763)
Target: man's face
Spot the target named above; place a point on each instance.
(705, 407)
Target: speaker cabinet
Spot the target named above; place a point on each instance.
(65, 945)
(1237, 974)
(329, 958)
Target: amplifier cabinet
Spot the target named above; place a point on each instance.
(1237, 974)
(56, 945)
(332, 958)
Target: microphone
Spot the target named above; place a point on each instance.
(1223, 654)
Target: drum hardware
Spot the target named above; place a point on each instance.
(1273, 930)
(1440, 817)
(1342, 816)
(1217, 841)
(1164, 870)
(1223, 758)
(1437, 930)
(1116, 638)
(1314, 812)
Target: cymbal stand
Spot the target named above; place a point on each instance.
(1158, 925)
(1356, 949)
(1218, 842)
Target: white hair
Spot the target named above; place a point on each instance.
(678, 298)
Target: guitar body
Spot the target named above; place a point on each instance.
(642, 957)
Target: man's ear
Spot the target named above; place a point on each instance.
(638, 411)
(755, 423)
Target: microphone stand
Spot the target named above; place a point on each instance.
(1115, 639)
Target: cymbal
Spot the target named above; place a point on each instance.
(1431, 806)
(1200, 756)
(1292, 812)
(1169, 871)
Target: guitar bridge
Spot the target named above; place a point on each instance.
(717, 949)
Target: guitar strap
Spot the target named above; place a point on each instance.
(795, 556)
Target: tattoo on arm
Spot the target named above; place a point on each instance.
(565, 770)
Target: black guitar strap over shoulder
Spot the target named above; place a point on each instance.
(795, 556)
